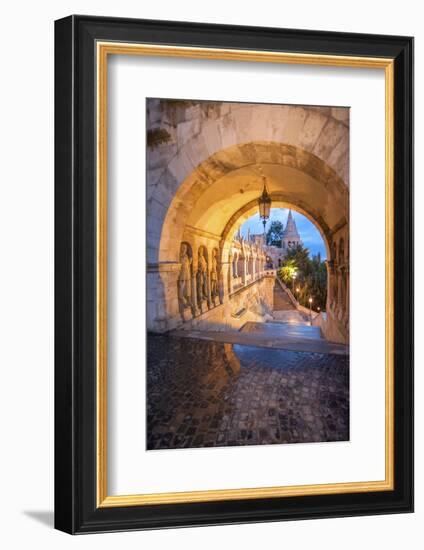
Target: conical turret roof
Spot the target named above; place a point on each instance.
(290, 231)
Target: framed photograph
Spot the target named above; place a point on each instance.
(234, 274)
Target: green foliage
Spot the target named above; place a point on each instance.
(274, 234)
(287, 271)
(300, 256)
(311, 277)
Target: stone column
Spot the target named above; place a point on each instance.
(330, 284)
(194, 305)
(335, 292)
(221, 278)
(208, 288)
(230, 275)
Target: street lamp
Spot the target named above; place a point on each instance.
(310, 309)
(293, 279)
(264, 202)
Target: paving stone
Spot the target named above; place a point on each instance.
(276, 397)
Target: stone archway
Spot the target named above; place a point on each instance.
(230, 179)
(279, 200)
(191, 143)
(209, 205)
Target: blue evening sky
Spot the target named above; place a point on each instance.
(309, 234)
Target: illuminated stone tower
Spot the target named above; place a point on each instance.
(290, 236)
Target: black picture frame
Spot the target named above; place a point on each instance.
(76, 510)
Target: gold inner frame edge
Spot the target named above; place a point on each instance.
(103, 49)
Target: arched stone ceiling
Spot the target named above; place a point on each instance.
(222, 185)
(238, 188)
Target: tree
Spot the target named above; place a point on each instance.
(274, 234)
(287, 271)
(300, 255)
(311, 276)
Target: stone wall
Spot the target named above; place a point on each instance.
(202, 128)
(205, 167)
(252, 303)
(201, 290)
(206, 140)
(337, 323)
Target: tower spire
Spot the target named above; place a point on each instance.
(290, 235)
(291, 229)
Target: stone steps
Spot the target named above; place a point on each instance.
(290, 316)
(283, 330)
(289, 337)
(281, 301)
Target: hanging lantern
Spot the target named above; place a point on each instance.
(264, 202)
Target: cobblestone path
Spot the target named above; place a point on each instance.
(205, 394)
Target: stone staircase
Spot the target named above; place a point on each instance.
(289, 329)
(274, 334)
(284, 310)
(276, 329)
(281, 300)
(292, 317)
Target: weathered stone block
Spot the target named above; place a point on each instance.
(186, 131)
(193, 112)
(339, 157)
(227, 130)
(180, 166)
(211, 136)
(312, 127)
(153, 175)
(196, 150)
(290, 132)
(332, 133)
(159, 157)
(341, 113)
